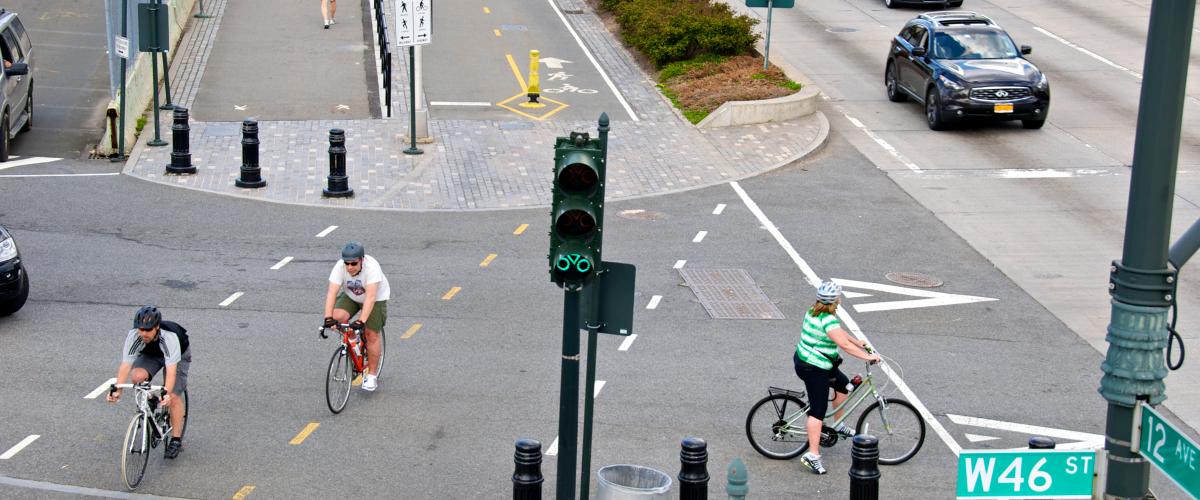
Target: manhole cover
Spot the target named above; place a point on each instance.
(841, 30)
(730, 294)
(639, 214)
(913, 279)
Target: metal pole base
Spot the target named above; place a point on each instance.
(157, 143)
(413, 151)
(251, 184)
(118, 158)
(202, 16)
(167, 107)
(180, 170)
(337, 194)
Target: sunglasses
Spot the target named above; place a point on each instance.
(145, 329)
(351, 262)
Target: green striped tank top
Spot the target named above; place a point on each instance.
(815, 347)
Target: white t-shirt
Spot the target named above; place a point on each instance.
(355, 287)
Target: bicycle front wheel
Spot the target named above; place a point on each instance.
(338, 380)
(135, 452)
(769, 430)
(899, 428)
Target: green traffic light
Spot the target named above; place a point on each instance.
(581, 264)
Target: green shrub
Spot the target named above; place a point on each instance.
(666, 31)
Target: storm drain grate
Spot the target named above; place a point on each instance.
(730, 294)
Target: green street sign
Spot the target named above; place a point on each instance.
(778, 4)
(1026, 473)
(148, 14)
(1177, 456)
(616, 298)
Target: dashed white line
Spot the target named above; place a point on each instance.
(1093, 55)
(654, 302)
(230, 300)
(20, 446)
(884, 144)
(326, 232)
(627, 343)
(281, 263)
(459, 103)
(699, 236)
(553, 449)
(599, 385)
(100, 390)
(720, 208)
(679, 264)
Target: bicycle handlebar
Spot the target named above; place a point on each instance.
(145, 385)
(338, 327)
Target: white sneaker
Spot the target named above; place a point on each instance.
(332, 21)
(369, 383)
(326, 24)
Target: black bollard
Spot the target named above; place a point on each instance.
(181, 157)
(527, 477)
(864, 468)
(339, 182)
(1041, 443)
(693, 469)
(251, 173)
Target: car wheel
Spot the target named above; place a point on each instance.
(933, 110)
(28, 110)
(4, 144)
(7, 308)
(1033, 124)
(889, 81)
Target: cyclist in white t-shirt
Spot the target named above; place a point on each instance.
(357, 285)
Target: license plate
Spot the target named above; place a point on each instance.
(1004, 108)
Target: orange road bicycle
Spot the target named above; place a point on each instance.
(349, 362)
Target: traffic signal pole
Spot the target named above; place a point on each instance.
(1141, 283)
(568, 403)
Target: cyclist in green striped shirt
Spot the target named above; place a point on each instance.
(816, 360)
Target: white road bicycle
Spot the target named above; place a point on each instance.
(149, 426)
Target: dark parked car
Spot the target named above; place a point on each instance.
(891, 4)
(14, 283)
(961, 65)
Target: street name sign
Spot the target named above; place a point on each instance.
(1177, 456)
(1026, 473)
(414, 22)
(781, 4)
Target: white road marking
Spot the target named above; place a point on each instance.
(239, 107)
(231, 298)
(679, 264)
(553, 449)
(60, 175)
(1048, 173)
(32, 160)
(720, 208)
(884, 144)
(854, 295)
(654, 302)
(699, 236)
(588, 53)
(599, 385)
(326, 232)
(281, 263)
(76, 491)
(554, 62)
(1032, 430)
(1093, 55)
(459, 103)
(627, 342)
(976, 438)
(20, 446)
(844, 315)
(931, 299)
(342, 107)
(100, 390)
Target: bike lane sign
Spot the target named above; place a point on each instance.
(1026, 473)
(1177, 456)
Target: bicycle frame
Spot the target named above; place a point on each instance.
(141, 397)
(348, 341)
(853, 400)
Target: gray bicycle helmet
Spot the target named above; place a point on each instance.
(146, 317)
(828, 292)
(353, 250)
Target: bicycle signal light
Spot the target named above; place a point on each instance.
(577, 210)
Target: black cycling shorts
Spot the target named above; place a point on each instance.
(817, 383)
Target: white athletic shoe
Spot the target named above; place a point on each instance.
(369, 383)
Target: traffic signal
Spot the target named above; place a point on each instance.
(577, 210)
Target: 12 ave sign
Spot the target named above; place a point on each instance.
(1168, 449)
(1026, 473)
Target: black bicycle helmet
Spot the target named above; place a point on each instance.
(146, 317)
(353, 250)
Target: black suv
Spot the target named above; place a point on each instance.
(962, 65)
(14, 283)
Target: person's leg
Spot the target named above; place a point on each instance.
(332, 10)
(839, 381)
(374, 325)
(325, 11)
(816, 383)
(176, 408)
(138, 375)
(814, 435)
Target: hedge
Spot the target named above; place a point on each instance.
(666, 31)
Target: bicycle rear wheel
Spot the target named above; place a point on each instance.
(768, 429)
(135, 452)
(899, 428)
(338, 380)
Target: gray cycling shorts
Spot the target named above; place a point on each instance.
(152, 364)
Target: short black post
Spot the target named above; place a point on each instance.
(864, 468)
(1041, 443)
(181, 157)
(693, 469)
(339, 182)
(251, 173)
(527, 477)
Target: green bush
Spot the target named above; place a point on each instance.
(666, 31)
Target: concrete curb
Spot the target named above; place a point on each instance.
(790, 107)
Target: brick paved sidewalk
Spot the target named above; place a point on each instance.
(472, 164)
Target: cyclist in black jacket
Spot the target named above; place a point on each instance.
(153, 345)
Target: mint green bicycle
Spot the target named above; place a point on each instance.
(776, 425)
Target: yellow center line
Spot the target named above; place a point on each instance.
(412, 330)
(308, 429)
(497, 32)
(516, 72)
(241, 494)
(450, 295)
(487, 10)
(521, 228)
(487, 260)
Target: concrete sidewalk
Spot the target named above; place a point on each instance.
(471, 164)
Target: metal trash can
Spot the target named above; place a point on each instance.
(631, 482)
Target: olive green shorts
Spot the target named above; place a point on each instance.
(378, 313)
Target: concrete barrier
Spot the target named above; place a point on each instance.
(139, 91)
(790, 107)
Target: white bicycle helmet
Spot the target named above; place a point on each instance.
(828, 292)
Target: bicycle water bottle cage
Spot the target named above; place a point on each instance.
(775, 391)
